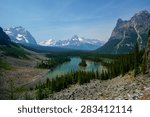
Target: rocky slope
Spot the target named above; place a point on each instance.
(127, 87)
(22, 72)
(20, 35)
(127, 33)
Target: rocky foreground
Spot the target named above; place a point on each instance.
(127, 87)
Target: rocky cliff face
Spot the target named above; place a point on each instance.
(4, 39)
(127, 33)
(20, 35)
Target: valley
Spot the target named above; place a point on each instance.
(77, 68)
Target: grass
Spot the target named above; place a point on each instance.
(14, 51)
(4, 65)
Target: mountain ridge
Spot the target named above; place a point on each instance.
(127, 33)
(4, 38)
(74, 42)
(20, 35)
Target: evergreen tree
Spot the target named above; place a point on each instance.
(149, 33)
(144, 65)
(83, 63)
(27, 97)
(39, 94)
(136, 63)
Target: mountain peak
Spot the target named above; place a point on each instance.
(19, 34)
(49, 42)
(127, 33)
(19, 27)
(142, 12)
(75, 42)
(75, 37)
(140, 16)
(119, 22)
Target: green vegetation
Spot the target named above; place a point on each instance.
(137, 60)
(63, 82)
(14, 51)
(83, 63)
(144, 65)
(146, 56)
(52, 62)
(123, 64)
(104, 59)
(4, 66)
(116, 65)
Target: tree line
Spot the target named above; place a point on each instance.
(119, 66)
(63, 82)
(125, 63)
(52, 62)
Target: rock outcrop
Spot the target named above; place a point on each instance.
(127, 33)
(119, 88)
(20, 35)
(4, 38)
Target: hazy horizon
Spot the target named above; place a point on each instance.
(61, 19)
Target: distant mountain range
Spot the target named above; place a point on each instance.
(122, 40)
(76, 42)
(127, 33)
(6, 40)
(20, 35)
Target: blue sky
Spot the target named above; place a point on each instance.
(61, 19)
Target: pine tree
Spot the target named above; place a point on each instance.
(149, 33)
(136, 63)
(80, 78)
(144, 65)
(39, 94)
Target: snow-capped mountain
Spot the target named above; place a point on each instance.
(75, 43)
(20, 35)
(49, 42)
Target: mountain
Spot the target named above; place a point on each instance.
(146, 56)
(20, 35)
(78, 43)
(127, 33)
(4, 38)
(49, 42)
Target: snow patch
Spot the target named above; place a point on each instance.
(8, 32)
(50, 42)
(139, 38)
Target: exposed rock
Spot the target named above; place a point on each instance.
(119, 88)
(127, 33)
(20, 35)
